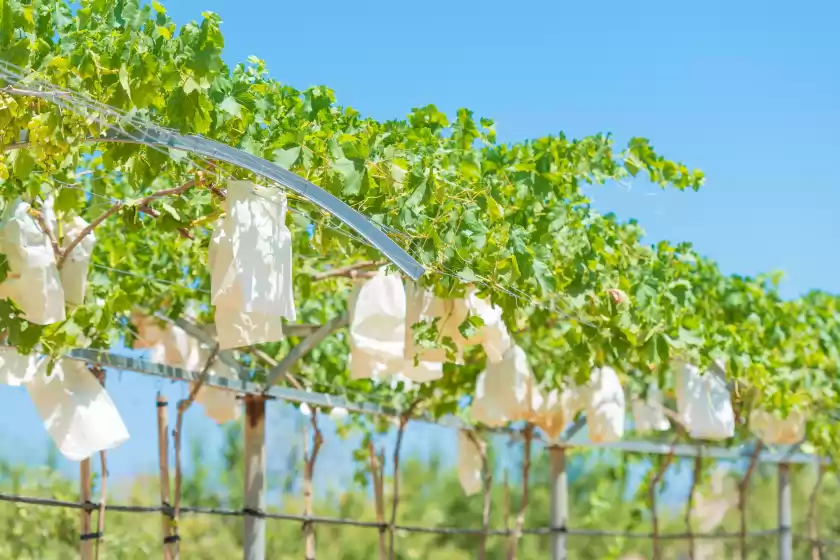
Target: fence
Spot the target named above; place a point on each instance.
(254, 514)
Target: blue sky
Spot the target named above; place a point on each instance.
(747, 91)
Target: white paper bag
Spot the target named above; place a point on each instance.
(168, 344)
(377, 334)
(377, 316)
(773, 430)
(506, 391)
(74, 272)
(421, 305)
(251, 267)
(469, 464)
(33, 282)
(648, 414)
(17, 369)
(221, 405)
(704, 404)
(557, 409)
(605, 410)
(77, 412)
(493, 336)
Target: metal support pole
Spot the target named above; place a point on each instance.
(785, 515)
(254, 526)
(559, 502)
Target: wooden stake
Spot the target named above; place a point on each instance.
(376, 472)
(308, 476)
(254, 526)
(85, 546)
(170, 549)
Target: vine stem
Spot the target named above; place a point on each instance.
(395, 499)
(743, 490)
(143, 204)
(657, 477)
(695, 480)
(813, 525)
(527, 436)
(487, 479)
(308, 476)
(376, 471)
(183, 406)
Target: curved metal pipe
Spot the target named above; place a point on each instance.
(163, 138)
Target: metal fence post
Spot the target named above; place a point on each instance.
(785, 514)
(559, 502)
(254, 523)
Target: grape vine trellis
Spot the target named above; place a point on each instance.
(577, 289)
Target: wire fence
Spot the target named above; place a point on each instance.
(784, 533)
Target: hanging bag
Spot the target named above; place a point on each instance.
(76, 410)
(648, 413)
(605, 410)
(251, 267)
(774, 430)
(74, 272)
(469, 464)
(493, 334)
(704, 404)
(557, 409)
(506, 392)
(422, 306)
(33, 281)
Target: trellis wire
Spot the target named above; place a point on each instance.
(226, 512)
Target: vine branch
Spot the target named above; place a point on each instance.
(743, 489)
(657, 477)
(528, 436)
(183, 406)
(395, 499)
(308, 477)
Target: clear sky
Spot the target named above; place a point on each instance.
(748, 91)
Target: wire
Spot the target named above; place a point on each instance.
(245, 512)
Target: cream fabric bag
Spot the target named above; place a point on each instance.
(704, 404)
(422, 305)
(558, 408)
(772, 430)
(648, 413)
(605, 410)
(74, 272)
(506, 391)
(33, 283)
(469, 464)
(250, 261)
(77, 412)
(493, 336)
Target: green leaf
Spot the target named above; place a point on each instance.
(351, 177)
(124, 80)
(231, 107)
(24, 163)
(286, 158)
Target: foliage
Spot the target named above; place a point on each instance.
(600, 498)
(510, 219)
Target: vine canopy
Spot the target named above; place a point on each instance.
(577, 290)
